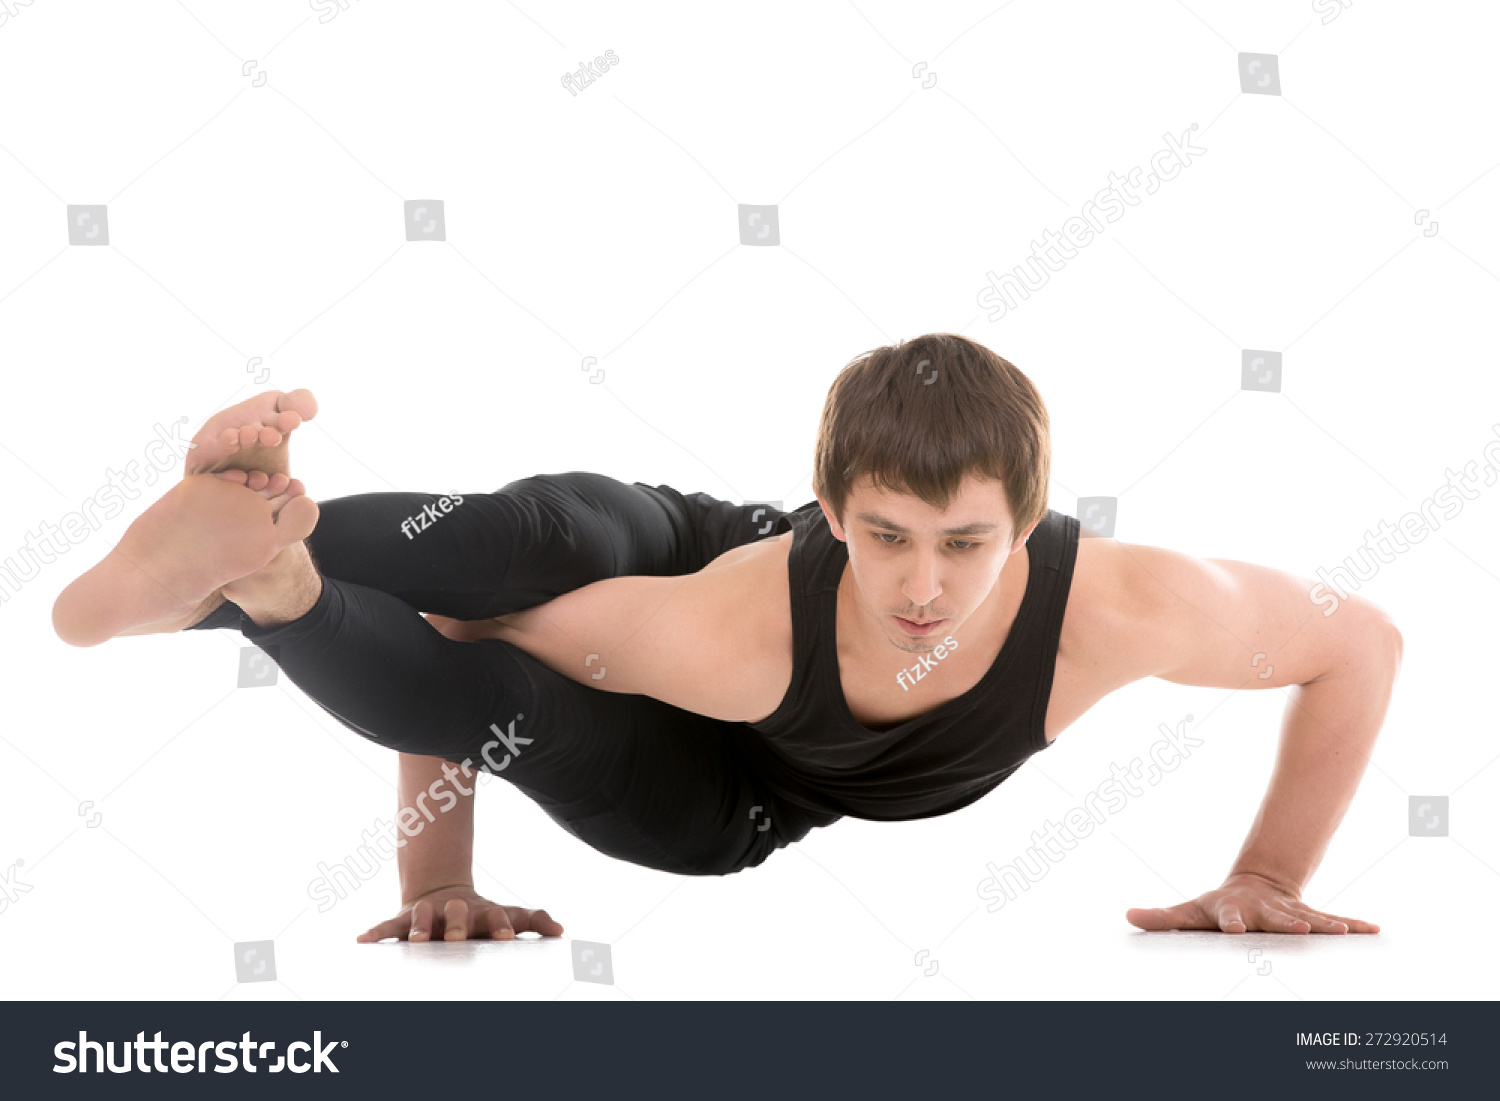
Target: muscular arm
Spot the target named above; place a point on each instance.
(711, 642)
(442, 854)
(1226, 624)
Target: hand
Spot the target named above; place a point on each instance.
(1248, 903)
(458, 913)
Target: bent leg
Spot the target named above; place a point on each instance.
(632, 777)
(475, 556)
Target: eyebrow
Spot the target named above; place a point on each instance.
(874, 519)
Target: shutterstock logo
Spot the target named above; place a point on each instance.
(190, 1057)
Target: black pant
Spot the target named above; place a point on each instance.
(633, 777)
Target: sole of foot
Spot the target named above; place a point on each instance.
(252, 435)
(205, 532)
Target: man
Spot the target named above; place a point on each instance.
(689, 685)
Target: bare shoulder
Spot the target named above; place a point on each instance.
(1138, 611)
(1095, 655)
(775, 548)
(715, 642)
(1099, 600)
(750, 586)
(734, 614)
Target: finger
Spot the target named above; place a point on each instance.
(497, 922)
(1186, 915)
(1320, 922)
(395, 927)
(456, 920)
(1355, 925)
(534, 921)
(421, 921)
(1275, 920)
(1231, 920)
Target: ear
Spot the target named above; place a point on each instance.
(833, 523)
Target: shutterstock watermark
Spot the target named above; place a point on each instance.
(1006, 292)
(1415, 525)
(380, 844)
(328, 9)
(11, 887)
(1331, 9)
(162, 454)
(1167, 753)
(10, 8)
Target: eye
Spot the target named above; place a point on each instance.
(957, 544)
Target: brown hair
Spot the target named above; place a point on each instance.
(919, 415)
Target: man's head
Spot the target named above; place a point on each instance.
(932, 464)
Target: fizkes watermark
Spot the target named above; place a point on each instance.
(589, 71)
(429, 515)
(925, 664)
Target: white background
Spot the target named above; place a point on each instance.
(266, 221)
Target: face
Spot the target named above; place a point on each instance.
(920, 573)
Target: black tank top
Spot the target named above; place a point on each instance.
(813, 752)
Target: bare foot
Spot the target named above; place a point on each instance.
(251, 435)
(204, 533)
(277, 488)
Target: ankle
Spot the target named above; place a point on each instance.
(282, 591)
(210, 604)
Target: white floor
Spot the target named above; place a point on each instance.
(216, 837)
(254, 228)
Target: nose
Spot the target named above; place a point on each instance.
(922, 586)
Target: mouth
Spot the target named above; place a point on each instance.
(918, 630)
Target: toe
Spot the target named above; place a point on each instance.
(296, 521)
(300, 402)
